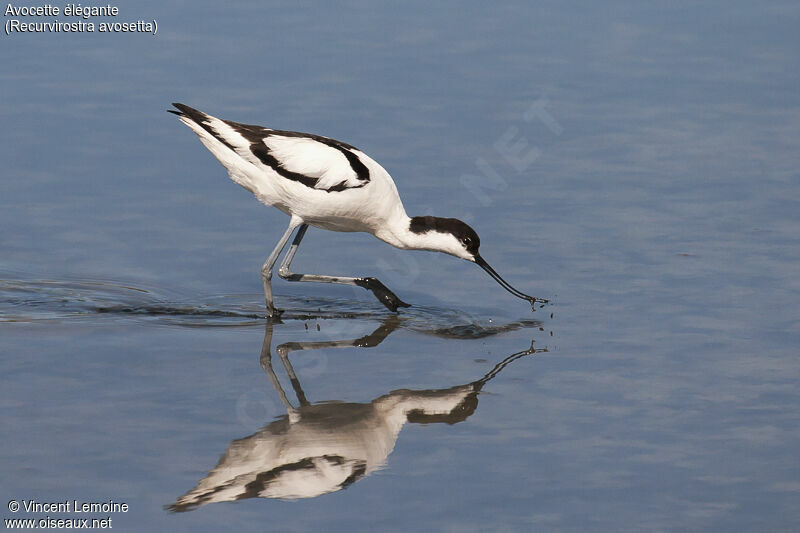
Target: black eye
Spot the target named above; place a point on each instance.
(466, 241)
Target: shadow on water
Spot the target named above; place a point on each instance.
(319, 448)
(29, 301)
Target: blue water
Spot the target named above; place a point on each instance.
(637, 165)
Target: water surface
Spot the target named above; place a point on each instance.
(636, 165)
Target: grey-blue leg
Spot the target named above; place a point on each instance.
(269, 264)
(381, 292)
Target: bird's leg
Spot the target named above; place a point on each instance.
(269, 264)
(381, 292)
(283, 352)
(266, 364)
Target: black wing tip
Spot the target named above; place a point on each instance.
(186, 111)
(182, 109)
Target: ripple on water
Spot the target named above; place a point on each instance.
(51, 300)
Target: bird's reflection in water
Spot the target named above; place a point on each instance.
(324, 447)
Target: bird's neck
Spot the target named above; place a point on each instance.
(397, 232)
(401, 232)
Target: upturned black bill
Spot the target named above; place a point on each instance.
(484, 265)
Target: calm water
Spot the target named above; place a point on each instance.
(637, 165)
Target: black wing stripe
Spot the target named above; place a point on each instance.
(255, 135)
(362, 172)
(264, 479)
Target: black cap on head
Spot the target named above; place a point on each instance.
(455, 227)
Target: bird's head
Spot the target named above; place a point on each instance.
(454, 237)
(448, 235)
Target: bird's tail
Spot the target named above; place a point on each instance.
(230, 142)
(204, 124)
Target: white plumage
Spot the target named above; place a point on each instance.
(307, 156)
(331, 185)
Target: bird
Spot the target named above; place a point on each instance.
(323, 447)
(332, 185)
